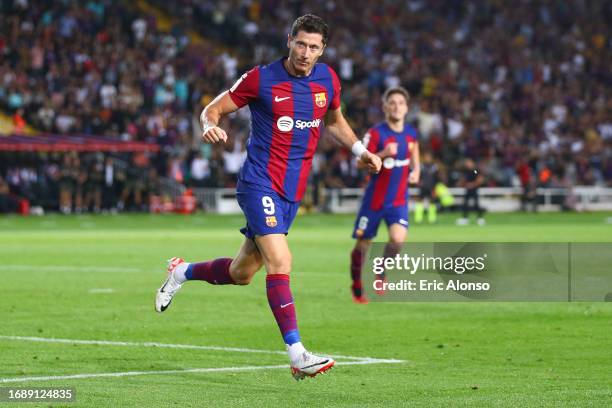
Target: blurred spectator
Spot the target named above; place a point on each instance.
(19, 122)
(519, 87)
(200, 170)
(492, 81)
(8, 203)
(234, 156)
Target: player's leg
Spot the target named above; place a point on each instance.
(396, 219)
(358, 255)
(422, 204)
(397, 237)
(276, 256)
(246, 263)
(479, 210)
(221, 271)
(465, 209)
(365, 229)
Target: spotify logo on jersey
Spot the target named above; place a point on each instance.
(284, 123)
(390, 163)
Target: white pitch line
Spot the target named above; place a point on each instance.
(73, 268)
(101, 290)
(177, 346)
(187, 370)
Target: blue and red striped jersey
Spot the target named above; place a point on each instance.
(287, 113)
(389, 188)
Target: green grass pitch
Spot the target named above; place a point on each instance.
(94, 278)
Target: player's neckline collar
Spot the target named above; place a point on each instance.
(393, 131)
(282, 63)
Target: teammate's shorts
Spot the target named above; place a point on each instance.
(367, 222)
(265, 211)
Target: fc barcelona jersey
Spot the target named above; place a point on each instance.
(287, 114)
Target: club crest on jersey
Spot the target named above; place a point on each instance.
(271, 221)
(320, 99)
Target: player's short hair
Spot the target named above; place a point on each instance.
(396, 90)
(311, 24)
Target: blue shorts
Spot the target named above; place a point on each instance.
(265, 211)
(366, 225)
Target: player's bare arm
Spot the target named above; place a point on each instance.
(212, 114)
(415, 174)
(337, 125)
(390, 150)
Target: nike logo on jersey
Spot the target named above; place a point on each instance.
(285, 305)
(277, 99)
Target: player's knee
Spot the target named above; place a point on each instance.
(397, 235)
(279, 265)
(242, 279)
(362, 245)
(242, 274)
(397, 239)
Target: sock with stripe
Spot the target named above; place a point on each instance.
(281, 303)
(215, 272)
(356, 265)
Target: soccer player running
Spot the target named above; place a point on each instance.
(386, 196)
(288, 100)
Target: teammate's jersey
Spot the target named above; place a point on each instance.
(286, 116)
(389, 188)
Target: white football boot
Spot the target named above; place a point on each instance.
(169, 288)
(309, 365)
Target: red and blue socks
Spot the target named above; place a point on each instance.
(281, 303)
(215, 272)
(356, 265)
(391, 249)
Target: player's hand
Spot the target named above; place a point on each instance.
(390, 149)
(372, 161)
(414, 177)
(214, 135)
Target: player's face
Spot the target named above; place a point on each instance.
(396, 107)
(304, 51)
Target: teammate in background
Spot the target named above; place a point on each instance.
(428, 200)
(471, 180)
(386, 196)
(288, 100)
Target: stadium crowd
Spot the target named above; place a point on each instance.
(79, 182)
(522, 88)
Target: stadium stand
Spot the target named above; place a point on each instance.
(522, 88)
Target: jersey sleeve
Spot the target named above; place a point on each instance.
(246, 88)
(371, 140)
(335, 102)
